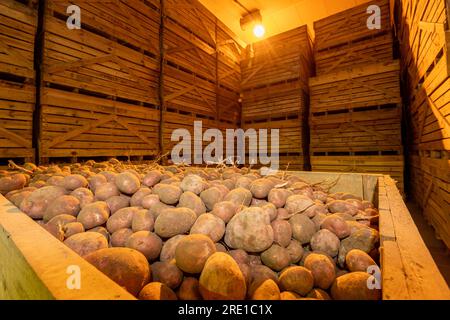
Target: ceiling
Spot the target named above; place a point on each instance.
(278, 15)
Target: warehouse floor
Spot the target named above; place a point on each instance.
(439, 251)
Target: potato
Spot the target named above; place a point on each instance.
(189, 290)
(353, 286)
(260, 188)
(167, 273)
(254, 260)
(61, 220)
(243, 182)
(75, 181)
(190, 200)
(62, 205)
(271, 210)
(85, 196)
(147, 243)
(192, 252)
(172, 222)
(96, 181)
(211, 196)
(240, 256)
(303, 228)
(229, 184)
(127, 267)
(282, 232)
(318, 294)
(109, 175)
(106, 191)
(142, 221)
(220, 247)
(157, 291)
(276, 257)
(297, 279)
(357, 203)
(157, 208)
(169, 247)
(120, 237)
(193, 183)
(283, 214)
(320, 195)
(86, 243)
(325, 241)
(221, 279)
(298, 203)
(367, 205)
(279, 196)
(358, 260)
(12, 182)
(249, 230)
(72, 228)
(136, 199)
(152, 178)
(239, 196)
(259, 202)
(56, 181)
(209, 225)
(168, 194)
(267, 290)
(38, 184)
(343, 207)
(225, 210)
(337, 225)
(94, 215)
(322, 269)
(38, 201)
(116, 203)
(127, 182)
(149, 201)
(289, 295)
(102, 231)
(121, 219)
(316, 209)
(18, 196)
(364, 239)
(295, 251)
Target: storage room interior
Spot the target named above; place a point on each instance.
(225, 149)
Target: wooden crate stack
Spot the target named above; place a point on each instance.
(18, 25)
(99, 88)
(275, 92)
(355, 110)
(423, 34)
(201, 71)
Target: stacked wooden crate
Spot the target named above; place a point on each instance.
(424, 36)
(275, 92)
(201, 72)
(99, 88)
(18, 25)
(355, 110)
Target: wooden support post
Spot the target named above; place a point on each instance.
(38, 67)
(217, 73)
(161, 77)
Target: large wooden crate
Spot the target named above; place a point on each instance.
(18, 25)
(408, 270)
(376, 84)
(387, 164)
(76, 125)
(350, 26)
(17, 103)
(372, 129)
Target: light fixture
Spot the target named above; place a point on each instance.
(259, 31)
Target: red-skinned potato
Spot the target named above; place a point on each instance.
(12, 182)
(189, 290)
(322, 268)
(172, 222)
(38, 201)
(148, 243)
(150, 200)
(142, 221)
(84, 195)
(225, 210)
(152, 178)
(157, 291)
(94, 215)
(62, 205)
(86, 243)
(192, 252)
(209, 225)
(169, 247)
(74, 181)
(120, 237)
(168, 194)
(72, 228)
(106, 191)
(136, 199)
(167, 273)
(190, 200)
(121, 219)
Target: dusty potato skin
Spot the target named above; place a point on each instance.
(121, 219)
(190, 200)
(189, 290)
(298, 203)
(225, 210)
(240, 256)
(337, 225)
(38, 201)
(278, 197)
(239, 196)
(127, 182)
(322, 269)
(127, 267)
(343, 207)
(303, 228)
(318, 294)
(221, 279)
(325, 241)
(276, 257)
(157, 208)
(260, 188)
(72, 228)
(61, 220)
(96, 181)
(172, 222)
(209, 225)
(86, 243)
(17, 196)
(62, 205)
(120, 237)
(167, 273)
(94, 215)
(267, 290)
(157, 291)
(115, 203)
(74, 181)
(169, 247)
(150, 200)
(102, 231)
(270, 209)
(148, 243)
(106, 191)
(282, 232)
(142, 221)
(12, 182)
(152, 178)
(168, 194)
(353, 286)
(297, 279)
(289, 295)
(136, 198)
(358, 260)
(193, 183)
(84, 195)
(295, 251)
(192, 252)
(211, 196)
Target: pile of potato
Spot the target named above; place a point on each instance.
(204, 233)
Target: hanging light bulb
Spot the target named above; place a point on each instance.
(259, 31)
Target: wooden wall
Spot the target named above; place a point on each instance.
(423, 32)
